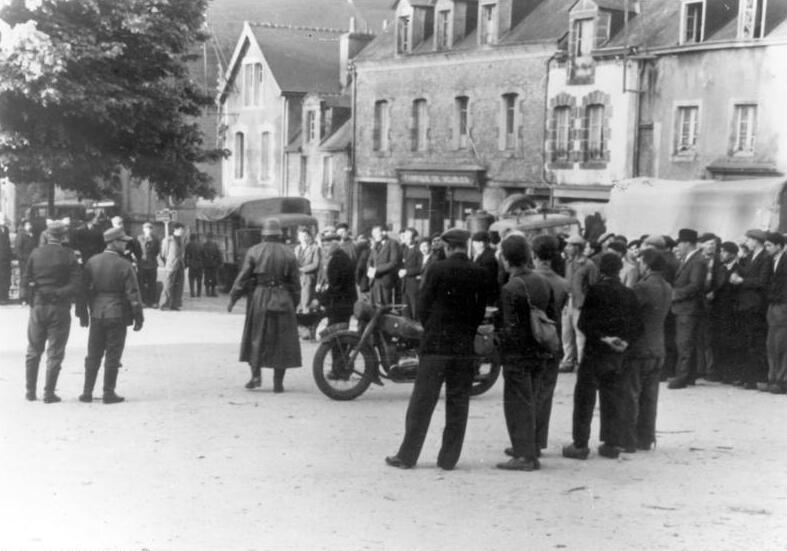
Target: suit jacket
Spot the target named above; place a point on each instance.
(385, 257)
(192, 258)
(610, 310)
(150, 249)
(340, 280)
(412, 261)
(172, 253)
(487, 261)
(89, 241)
(5, 247)
(777, 287)
(451, 306)
(654, 297)
(688, 290)
(112, 288)
(753, 292)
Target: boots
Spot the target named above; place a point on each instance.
(278, 380)
(110, 380)
(256, 379)
(31, 377)
(90, 382)
(49, 387)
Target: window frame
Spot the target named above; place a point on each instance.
(562, 155)
(380, 126)
(443, 30)
(328, 179)
(489, 26)
(596, 136)
(403, 31)
(419, 133)
(757, 23)
(312, 127)
(738, 109)
(239, 150)
(510, 119)
(577, 28)
(265, 155)
(698, 27)
(462, 114)
(679, 148)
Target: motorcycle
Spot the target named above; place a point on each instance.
(384, 345)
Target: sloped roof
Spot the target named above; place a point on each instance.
(225, 19)
(340, 139)
(301, 60)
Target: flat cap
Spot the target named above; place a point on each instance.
(56, 228)
(481, 236)
(707, 236)
(655, 241)
(329, 235)
(687, 235)
(575, 240)
(775, 237)
(113, 234)
(730, 247)
(455, 237)
(759, 235)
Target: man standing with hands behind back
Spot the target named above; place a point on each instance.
(451, 307)
(115, 303)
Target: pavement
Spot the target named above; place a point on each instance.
(193, 461)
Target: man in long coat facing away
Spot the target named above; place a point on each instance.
(271, 280)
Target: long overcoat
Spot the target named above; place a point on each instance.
(270, 339)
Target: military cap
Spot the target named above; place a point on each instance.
(775, 237)
(114, 234)
(687, 235)
(759, 235)
(455, 237)
(271, 228)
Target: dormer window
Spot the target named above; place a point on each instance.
(582, 31)
(693, 22)
(751, 19)
(403, 35)
(443, 30)
(488, 27)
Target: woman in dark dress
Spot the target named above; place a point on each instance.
(271, 280)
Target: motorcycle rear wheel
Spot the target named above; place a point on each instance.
(487, 372)
(334, 376)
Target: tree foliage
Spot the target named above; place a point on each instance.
(89, 88)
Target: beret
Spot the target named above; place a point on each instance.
(759, 235)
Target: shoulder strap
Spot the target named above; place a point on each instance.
(527, 294)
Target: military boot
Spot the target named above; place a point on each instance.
(90, 382)
(278, 380)
(110, 380)
(31, 379)
(49, 386)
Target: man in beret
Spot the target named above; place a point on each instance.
(51, 281)
(752, 309)
(581, 273)
(147, 265)
(688, 296)
(484, 258)
(451, 307)
(410, 272)
(115, 303)
(611, 322)
(777, 315)
(725, 332)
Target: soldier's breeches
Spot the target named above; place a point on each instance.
(47, 328)
(106, 340)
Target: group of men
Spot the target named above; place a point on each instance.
(623, 308)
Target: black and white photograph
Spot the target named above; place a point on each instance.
(393, 275)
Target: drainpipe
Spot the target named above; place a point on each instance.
(351, 180)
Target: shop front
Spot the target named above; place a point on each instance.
(435, 199)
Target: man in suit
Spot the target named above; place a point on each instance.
(484, 257)
(451, 306)
(714, 275)
(688, 297)
(115, 303)
(410, 272)
(172, 253)
(724, 327)
(346, 241)
(643, 359)
(752, 309)
(777, 316)
(336, 282)
(611, 322)
(147, 266)
(89, 239)
(382, 266)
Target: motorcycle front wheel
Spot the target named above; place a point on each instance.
(485, 375)
(335, 376)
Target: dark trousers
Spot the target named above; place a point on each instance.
(382, 294)
(147, 285)
(686, 344)
(195, 281)
(705, 359)
(210, 276)
(432, 371)
(726, 345)
(546, 391)
(48, 326)
(410, 287)
(754, 331)
(5, 281)
(172, 295)
(671, 356)
(106, 340)
(640, 380)
(599, 372)
(520, 395)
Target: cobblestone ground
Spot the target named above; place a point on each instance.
(193, 461)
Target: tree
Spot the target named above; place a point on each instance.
(90, 88)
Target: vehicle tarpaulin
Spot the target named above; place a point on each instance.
(727, 208)
(251, 209)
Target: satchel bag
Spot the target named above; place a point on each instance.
(544, 330)
(485, 343)
(279, 300)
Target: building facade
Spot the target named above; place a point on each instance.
(449, 107)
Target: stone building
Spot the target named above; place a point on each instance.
(449, 106)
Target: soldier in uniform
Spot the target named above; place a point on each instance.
(51, 280)
(451, 307)
(115, 303)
